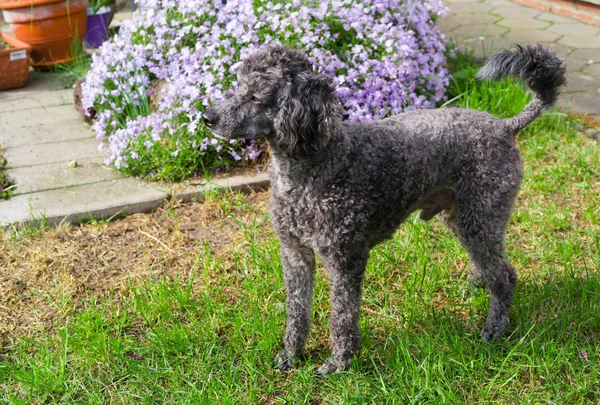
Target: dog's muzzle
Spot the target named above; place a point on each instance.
(210, 118)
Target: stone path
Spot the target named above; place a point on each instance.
(485, 25)
(42, 132)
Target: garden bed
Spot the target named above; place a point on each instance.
(150, 85)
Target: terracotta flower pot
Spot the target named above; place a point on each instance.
(14, 63)
(49, 26)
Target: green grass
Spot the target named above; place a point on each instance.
(208, 335)
(6, 188)
(77, 68)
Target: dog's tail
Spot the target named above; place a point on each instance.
(541, 68)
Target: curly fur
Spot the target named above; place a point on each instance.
(541, 68)
(338, 189)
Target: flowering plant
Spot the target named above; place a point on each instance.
(96, 5)
(386, 56)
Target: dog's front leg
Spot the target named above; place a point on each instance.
(299, 273)
(346, 272)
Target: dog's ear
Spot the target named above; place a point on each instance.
(309, 112)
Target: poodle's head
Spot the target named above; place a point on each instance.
(280, 97)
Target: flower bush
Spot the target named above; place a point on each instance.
(386, 56)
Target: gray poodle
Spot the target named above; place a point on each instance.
(338, 188)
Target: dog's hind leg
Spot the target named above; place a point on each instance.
(499, 277)
(483, 217)
(449, 218)
(346, 272)
(299, 273)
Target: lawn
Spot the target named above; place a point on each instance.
(186, 305)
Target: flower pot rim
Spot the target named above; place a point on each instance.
(14, 43)
(10, 4)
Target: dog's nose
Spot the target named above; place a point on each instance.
(210, 117)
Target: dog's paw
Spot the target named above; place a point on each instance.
(330, 367)
(493, 330)
(284, 362)
(326, 369)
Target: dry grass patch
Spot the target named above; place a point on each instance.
(72, 263)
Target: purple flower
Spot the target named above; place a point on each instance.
(386, 56)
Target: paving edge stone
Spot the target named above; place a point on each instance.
(156, 196)
(236, 183)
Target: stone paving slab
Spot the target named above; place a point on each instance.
(592, 70)
(471, 18)
(56, 176)
(40, 133)
(529, 22)
(99, 200)
(26, 101)
(531, 36)
(581, 41)
(470, 27)
(562, 50)
(471, 7)
(479, 30)
(580, 30)
(105, 199)
(553, 18)
(512, 12)
(43, 115)
(576, 65)
(587, 103)
(58, 152)
(588, 55)
(577, 82)
(499, 3)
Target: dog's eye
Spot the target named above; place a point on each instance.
(254, 99)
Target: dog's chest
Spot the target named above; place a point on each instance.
(316, 217)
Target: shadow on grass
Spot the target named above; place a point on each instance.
(560, 312)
